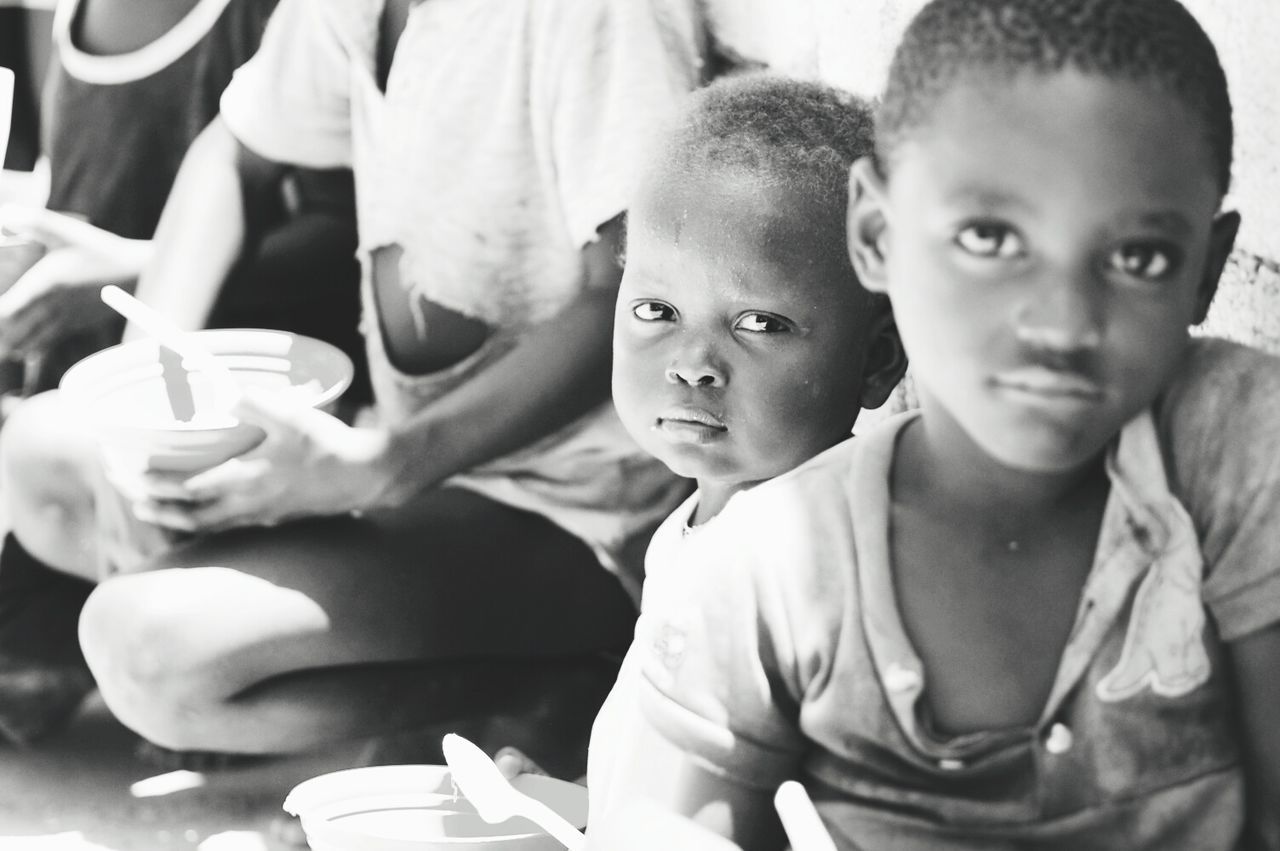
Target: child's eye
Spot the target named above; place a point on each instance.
(989, 240)
(1141, 261)
(653, 311)
(761, 323)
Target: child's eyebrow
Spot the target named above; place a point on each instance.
(1165, 220)
(985, 197)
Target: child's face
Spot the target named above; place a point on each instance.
(740, 334)
(1046, 242)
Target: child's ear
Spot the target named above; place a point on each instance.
(867, 225)
(886, 360)
(1222, 236)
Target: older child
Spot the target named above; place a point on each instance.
(1042, 611)
(743, 347)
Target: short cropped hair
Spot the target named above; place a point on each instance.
(1156, 41)
(777, 131)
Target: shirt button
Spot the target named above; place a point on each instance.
(900, 679)
(951, 764)
(1059, 740)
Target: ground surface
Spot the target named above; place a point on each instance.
(77, 792)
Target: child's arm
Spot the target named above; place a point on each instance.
(673, 781)
(202, 230)
(558, 371)
(1256, 661)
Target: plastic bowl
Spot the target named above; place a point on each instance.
(415, 808)
(122, 391)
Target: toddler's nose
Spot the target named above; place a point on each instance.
(695, 375)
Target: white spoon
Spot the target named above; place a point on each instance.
(172, 337)
(800, 820)
(495, 799)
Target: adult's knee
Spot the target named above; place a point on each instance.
(46, 456)
(135, 647)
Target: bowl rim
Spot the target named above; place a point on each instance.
(67, 388)
(333, 786)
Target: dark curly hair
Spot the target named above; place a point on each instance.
(1155, 41)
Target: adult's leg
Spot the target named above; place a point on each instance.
(279, 639)
(43, 677)
(47, 464)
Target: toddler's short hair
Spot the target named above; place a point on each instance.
(777, 131)
(1148, 40)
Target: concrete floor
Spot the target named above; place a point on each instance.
(76, 792)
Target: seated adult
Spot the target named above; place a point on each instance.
(346, 580)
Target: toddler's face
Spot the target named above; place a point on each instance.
(1046, 243)
(739, 335)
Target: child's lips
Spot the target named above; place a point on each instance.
(698, 416)
(690, 425)
(1050, 383)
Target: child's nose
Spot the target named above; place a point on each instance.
(696, 372)
(1062, 315)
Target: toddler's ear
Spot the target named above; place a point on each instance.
(867, 225)
(886, 361)
(1221, 239)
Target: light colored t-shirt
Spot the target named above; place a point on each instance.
(510, 130)
(770, 646)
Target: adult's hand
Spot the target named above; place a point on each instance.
(58, 295)
(309, 464)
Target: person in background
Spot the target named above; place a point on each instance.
(744, 350)
(1044, 610)
(476, 535)
(131, 85)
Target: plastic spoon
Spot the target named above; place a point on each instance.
(495, 799)
(800, 820)
(172, 337)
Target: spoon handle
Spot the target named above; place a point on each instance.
(800, 820)
(553, 823)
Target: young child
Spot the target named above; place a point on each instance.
(1040, 612)
(743, 347)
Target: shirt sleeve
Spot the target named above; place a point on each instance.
(1220, 423)
(291, 101)
(609, 73)
(719, 673)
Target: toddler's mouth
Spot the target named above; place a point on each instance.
(691, 416)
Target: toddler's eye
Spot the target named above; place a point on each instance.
(653, 311)
(989, 240)
(1141, 261)
(761, 323)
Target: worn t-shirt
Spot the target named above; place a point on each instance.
(770, 646)
(508, 133)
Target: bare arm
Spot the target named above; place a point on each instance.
(1255, 660)
(203, 227)
(559, 371)
(312, 464)
(744, 816)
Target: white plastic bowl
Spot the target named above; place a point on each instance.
(121, 391)
(414, 808)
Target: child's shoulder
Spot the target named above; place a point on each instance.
(1222, 394)
(817, 509)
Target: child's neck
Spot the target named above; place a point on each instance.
(936, 457)
(712, 498)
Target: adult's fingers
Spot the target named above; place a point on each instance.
(212, 516)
